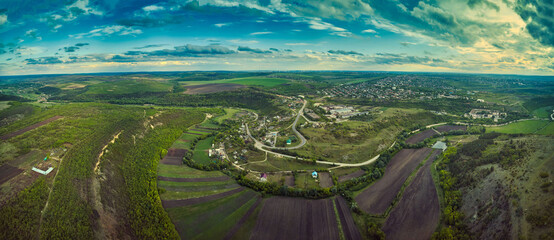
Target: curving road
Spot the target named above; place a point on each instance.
(294, 130)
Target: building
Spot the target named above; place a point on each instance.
(439, 145)
(314, 174)
(263, 177)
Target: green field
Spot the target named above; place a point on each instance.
(305, 180)
(174, 195)
(185, 172)
(128, 87)
(4, 105)
(201, 151)
(211, 220)
(209, 124)
(544, 127)
(193, 184)
(543, 112)
(251, 81)
(229, 113)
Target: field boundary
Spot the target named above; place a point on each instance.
(243, 219)
(192, 201)
(208, 179)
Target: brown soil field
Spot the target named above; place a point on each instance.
(325, 180)
(378, 197)
(355, 174)
(448, 128)
(174, 156)
(212, 88)
(29, 128)
(7, 172)
(289, 181)
(192, 201)
(208, 179)
(349, 227)
(242, 220)
(421, 136)
(296, 218)
(417, 214)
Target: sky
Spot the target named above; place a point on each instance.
(85, 36)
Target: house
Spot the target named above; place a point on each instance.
(439, 145)
(263, 177)
(289, 141)
(314, 174)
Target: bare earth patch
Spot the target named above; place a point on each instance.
(421, 136)
(379, 196)
(355, 174)
(448, 128)
(212, 88)
(296, 218)
(417, 214)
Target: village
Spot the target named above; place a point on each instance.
(395, 88)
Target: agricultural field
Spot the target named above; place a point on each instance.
(448, 128)
(543, 127)
(305, 180)
(212, 219)
(325, 180)
(543, 112)
(421, 136)
(212, 88)
(294, 218)
(349, 176)
(201, 151)
(417, 214)
(128, 87)
(378, 197)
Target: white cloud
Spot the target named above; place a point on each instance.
(3, 19)
(260, 33)
(109, 30)
(369, 31)
(297, 44)
(153, 8)
(240, 41)
(222, 24)
(33, 33)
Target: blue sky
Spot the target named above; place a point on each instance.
(81, 36)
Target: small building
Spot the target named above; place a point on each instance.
(439, 145)
(314, 174)
(42, 171)
(289, 141)
(263, 177)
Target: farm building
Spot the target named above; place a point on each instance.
(439, 145)
(263, 177)
(42, 171)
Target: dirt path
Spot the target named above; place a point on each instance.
(104, 149)
(49, 195)
(29, 128)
